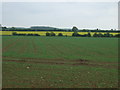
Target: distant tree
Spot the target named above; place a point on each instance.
(97, 29)
(55, 29)
(47, 34)
(111, 29)
(75, 34)
(52, 34)
(74, 29)
(14, 33)
(100, 34)
(89, 35)
(4, 28)
(95, 35)
(60, 34)
(36, 35)
(111, 35)
(12, 28)
(107, 34)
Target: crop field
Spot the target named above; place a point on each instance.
(43, 33)
(59, 62)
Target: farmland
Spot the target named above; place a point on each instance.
(43, 33)
(59, 62)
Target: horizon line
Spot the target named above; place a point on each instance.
(57, 27)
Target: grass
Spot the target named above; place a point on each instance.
(55, 62)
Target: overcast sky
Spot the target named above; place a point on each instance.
(103, 15)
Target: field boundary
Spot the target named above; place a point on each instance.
(79, 62)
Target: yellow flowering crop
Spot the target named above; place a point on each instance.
(43, 33)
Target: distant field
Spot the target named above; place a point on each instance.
(43, 33)
(49, 62)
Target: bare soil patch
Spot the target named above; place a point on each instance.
(62, 62)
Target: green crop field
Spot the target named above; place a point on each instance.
(59, 62)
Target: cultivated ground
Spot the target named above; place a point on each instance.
(59, 62)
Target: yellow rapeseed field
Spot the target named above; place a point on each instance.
(43, 33)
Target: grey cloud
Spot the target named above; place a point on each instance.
(83, 15)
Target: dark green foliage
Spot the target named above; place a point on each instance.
(52, 34)
(89, 35)
(108, 35)
(95, 35)
(47, 34)
(100, 35)
(33, 35)
(15, 34)
(75, 29)
(4, 28)
(97, 29)
(60, 34)
(13, 28)
(111, 29)
(75, 34)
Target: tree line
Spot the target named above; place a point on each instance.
(55, 29)
(107, 34)
(75, 34)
